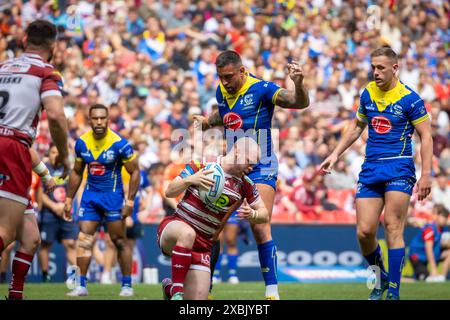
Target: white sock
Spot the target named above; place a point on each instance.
(272, 291)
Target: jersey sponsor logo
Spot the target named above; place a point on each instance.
(205, 258)
(97, 169)
(370, 107)
(223, 201)
(15, 68)
(233, 121)
(381, 125)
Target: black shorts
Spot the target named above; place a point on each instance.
(420, 269)
(135, 232)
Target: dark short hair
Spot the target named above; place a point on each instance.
(156, 166)
(385, 51)
(441, 210)
(98, 106)
(41, 34)
(228, 57)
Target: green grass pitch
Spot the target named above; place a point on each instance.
(242, 291)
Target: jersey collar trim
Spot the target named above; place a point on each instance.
(232, 99)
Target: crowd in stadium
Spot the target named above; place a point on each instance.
(153, 63)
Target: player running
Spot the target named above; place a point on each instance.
(104, 152)
(26, 84)
(187, 236)
(392, 111)
(246, 102)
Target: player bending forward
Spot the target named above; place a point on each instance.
(187, 236)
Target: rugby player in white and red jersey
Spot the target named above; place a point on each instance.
(27, 83)
(187, 236)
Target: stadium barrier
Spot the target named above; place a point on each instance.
(321, 253)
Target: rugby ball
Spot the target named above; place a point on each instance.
(211, 195)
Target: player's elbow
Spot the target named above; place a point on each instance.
(170, 192)
(56, 118)
(305, 103)
(54, 109)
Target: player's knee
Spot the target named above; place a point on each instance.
(36, 243)
(31, 245)
(71, 245)
(393, 229)
(85, 244)
(366, 233)
(119, 242)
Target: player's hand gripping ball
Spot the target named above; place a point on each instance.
(213, 193)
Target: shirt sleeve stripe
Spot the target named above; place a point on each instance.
(420, 120)
(49, 93)
(130, 159)
(191, 171)
(275, 95)
(361, 117)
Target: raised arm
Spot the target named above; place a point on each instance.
(214, 120)
(297, 99)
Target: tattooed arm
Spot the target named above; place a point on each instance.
(298, 99)
(214, 120)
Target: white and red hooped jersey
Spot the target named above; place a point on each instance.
(207, 219)
(24, 82)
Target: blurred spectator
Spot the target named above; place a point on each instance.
(440, 192)
(153, 63)
(340, 178)
(288, 169)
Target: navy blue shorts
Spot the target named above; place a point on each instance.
(58, 230)
(380, 176)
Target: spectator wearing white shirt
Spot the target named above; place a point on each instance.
(411, 74)
(440, 192)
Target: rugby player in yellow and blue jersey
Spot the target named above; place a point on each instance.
(392, 111)
(104, 152)
(246, 106)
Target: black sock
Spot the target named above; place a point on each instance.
(44, 276)
(215, 252)
(2, 277)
